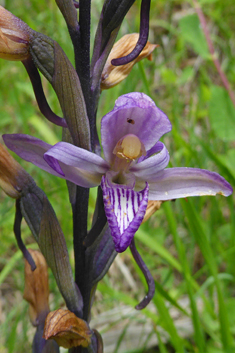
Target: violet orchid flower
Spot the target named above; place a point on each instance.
(133, 170)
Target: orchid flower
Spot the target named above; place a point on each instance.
(133, 170)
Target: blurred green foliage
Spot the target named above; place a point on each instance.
(189, 245)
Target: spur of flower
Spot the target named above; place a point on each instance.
(133, 170)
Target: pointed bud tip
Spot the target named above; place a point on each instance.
(14, 37)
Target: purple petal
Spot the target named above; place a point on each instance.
(134, 113)
(155, 149)
(54, 164)
(33, 150)
(174, 183)
(30, 149)
(77, 157)
(147, 169)
(79, 166)
(125, 210)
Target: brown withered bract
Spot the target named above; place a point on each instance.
(67, 329)
(152, 207)
(112, 75)
(12, 175)
(36, 290)
(14, 37)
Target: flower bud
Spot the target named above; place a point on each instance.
(152, 207)
(12, 175)
(36, 290)
(14, 37)
(67, 329)
(53, 63)
(111, 74)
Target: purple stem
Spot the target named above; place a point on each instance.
(143, 36)
(95, 231)
(17, 231)
(39, 94)
(212, 50)
(99, 221)
(147, 275)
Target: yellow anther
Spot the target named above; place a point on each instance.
(129, 147)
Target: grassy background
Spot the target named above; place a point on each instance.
(189, 245)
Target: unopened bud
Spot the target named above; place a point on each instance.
(152, 207)
(67, 329)
(14, 37)
(112, 75)
(36, 290)
(12, 175)
(51, 60)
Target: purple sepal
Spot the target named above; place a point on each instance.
(147, 275)
(104, 256)
(143, 36)
(30, 149)
(125, 210)
(74, 156)
(60, 159)
(174, 183)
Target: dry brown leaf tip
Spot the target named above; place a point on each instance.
(66, 329)
(36, 290)
(112, 75)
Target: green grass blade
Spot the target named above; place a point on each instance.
(197, 230)
(158, 248)
(12, 263)
(199, 336)
(167, 323)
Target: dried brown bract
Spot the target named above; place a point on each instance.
(152, 207)
(66, 329)
(111, 74)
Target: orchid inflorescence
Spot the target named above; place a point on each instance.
(130, 170)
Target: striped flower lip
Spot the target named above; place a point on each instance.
(133, 170)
